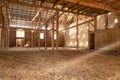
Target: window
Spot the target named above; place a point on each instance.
(41, 35)
(55, 36)
(20, 33)
(116, 21)
(71, 43)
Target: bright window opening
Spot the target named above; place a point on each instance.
(116, 20)
(71, 43)
(55, 36)
(20, 33)
(41, 35)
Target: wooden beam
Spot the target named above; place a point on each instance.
(55, 2)
(46, 25)
(37, 14)
(93, 4)
(42, 1)
(74, 5)
(52, 33)
(33, 1)
(77, 32)
(39, 21)
(5, 27)
(66, 31)
(78, 24)
(46, 7)
(106, 21)
(57, 30)
(64, 4)
(95, 23)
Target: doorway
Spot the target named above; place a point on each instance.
(91, 41)
(20, 42)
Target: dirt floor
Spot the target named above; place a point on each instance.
(59, 65)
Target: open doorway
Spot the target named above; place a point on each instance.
(91, 41)
(20, 42)
(20, 38)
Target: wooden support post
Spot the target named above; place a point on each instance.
(39, 40)
(46, 31)
(95, 23)
(118, 16)
(57, 30)
(32, 38)
(39, 21)
(5, 28)
(52, 34)
(66, 31)
(34, 34)
(77, 32)
(106, 21)
(2, 33)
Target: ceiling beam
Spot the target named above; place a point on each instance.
(37, 14)
(93, 4)
(40, 6)
(55, 3)
(42, 1)
(33, 1)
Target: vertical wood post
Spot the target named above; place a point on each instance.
(2, 32)
(32, 38)
(95, 23)
(5, 28)
(46, 31)
(66, 31)
(39, 21)
(77, 32)
(57, 30)
(53, 33)
(106, 21)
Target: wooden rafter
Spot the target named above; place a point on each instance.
(73, 6)
(55, 2)
(46, 7)
(37, 14)
(33, 1)
(42, 1)
(93, 4)
(64, 4)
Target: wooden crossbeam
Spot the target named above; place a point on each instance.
(78, 24)
(42, 1)
(73, 6)
(93, 4)
(64, 4)
(33, 1)
(37, 14)
(46, 7)
(55, 2)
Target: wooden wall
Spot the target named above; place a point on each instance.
(36, 38)
(108, 39)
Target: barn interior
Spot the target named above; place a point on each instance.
(59, 39)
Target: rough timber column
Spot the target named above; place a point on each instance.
(66, 31)
(35, 35)
(57, 30)
(95, 23)
(2, 32)
(77, 32)
(39, 21)
(106, 21)
(31, 38)
(53, 34)
(46, 31)
(5, 27)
